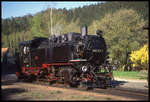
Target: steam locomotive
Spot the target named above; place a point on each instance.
(75, 59)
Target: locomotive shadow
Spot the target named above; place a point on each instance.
(116, 83)
(8, 72)
(7, 82)
(8, 93)
(8, 68)
(8, 63)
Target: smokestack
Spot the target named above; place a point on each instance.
(84, 30)
(99, 32)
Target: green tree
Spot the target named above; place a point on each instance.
(36, 24)
(73, 26)
(120, 32)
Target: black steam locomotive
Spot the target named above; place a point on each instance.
(74, 59)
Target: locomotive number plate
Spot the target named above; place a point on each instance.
(97, 50)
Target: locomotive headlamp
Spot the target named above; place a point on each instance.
(64, 38)
(80, 43)
(25, 50)
(84, 68)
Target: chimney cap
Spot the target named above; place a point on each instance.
(99, 32)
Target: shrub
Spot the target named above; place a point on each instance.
(140, 58)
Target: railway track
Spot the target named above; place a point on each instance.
(116, 91)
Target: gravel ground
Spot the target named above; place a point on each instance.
(134, 84)
(13, 90)
(27, 91)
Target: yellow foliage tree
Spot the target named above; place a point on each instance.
(140, 57)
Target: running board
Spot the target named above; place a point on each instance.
(78, 60)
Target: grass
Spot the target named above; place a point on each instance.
(108, 98)
(130, 75)
(84, 97)
(41, 95)
(56, 92)
(37, 95)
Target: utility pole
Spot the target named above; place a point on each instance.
(51, 21)
(50, 25)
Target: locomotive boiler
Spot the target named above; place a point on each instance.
(74, 59)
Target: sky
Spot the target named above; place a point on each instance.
(16, 9)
